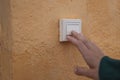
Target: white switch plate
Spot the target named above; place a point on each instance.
(68, 25)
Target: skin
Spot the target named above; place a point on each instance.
(91, 54)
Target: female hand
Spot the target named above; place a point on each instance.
(90, 52)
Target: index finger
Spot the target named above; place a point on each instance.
(80, 45)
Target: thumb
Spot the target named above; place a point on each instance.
(84, 72)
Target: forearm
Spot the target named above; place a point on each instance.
(109, 69)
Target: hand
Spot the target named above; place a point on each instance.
(91, 53)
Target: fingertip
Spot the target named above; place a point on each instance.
(75, 35)
(73, 32)
(81, 34)
(76, 71)
(68, 37)
(72, 40)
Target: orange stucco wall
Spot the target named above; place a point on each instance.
(5, 41)
(30, 36)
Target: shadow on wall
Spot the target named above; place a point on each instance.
(5, 40)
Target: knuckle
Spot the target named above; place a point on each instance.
(85, 41)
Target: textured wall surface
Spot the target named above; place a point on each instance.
(36, 48)
(0, 46)
(5, 41)
(32, 35)
(104, 24)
